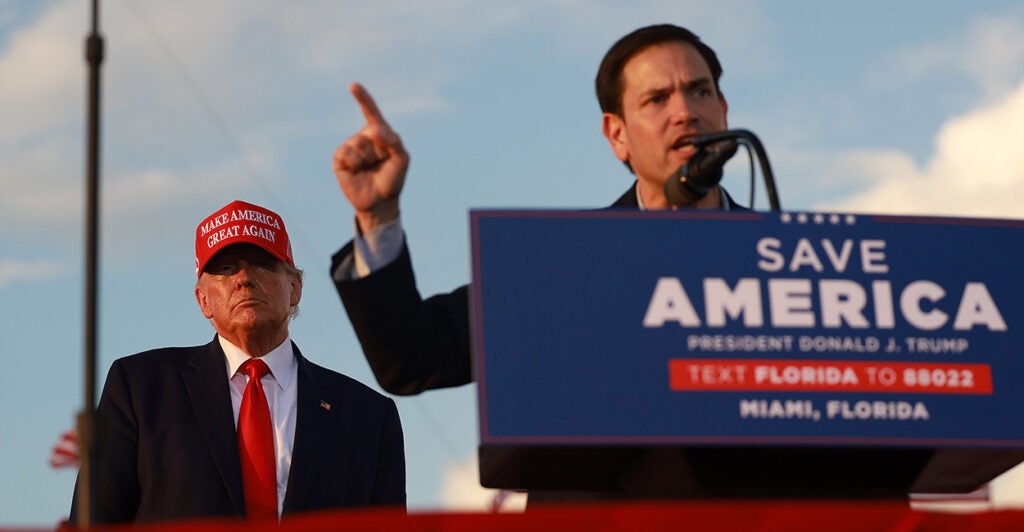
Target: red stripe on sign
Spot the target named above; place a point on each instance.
(829, 376)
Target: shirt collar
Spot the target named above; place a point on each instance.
(280, 360)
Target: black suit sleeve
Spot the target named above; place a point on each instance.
(117, 490)
(389, 487)
(411, 344)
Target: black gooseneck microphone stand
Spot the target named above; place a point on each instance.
(704, 169)
(87, 421)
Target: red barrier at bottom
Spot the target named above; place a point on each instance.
(834, 516)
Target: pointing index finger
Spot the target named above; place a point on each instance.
(370, 110)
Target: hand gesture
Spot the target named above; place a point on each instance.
(370, 165)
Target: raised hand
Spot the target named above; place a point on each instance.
(371, 164)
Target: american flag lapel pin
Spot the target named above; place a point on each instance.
(325, 405)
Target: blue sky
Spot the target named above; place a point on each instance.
(907, 107)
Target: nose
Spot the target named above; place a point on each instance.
(682, 108)
(243, 275)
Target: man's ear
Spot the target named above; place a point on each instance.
(204, 301)
(296, 283)
(614, 129)
(725, 110)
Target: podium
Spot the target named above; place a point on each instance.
(742, 354)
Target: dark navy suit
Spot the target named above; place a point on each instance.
(414, 344)
(168, 447)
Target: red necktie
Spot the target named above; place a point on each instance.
(256, 446)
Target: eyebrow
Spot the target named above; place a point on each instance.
(698, 83)
(686, 86)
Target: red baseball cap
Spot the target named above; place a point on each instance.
(239, 222)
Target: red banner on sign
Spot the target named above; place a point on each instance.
(829, 376)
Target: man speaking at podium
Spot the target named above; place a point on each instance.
(657, 87)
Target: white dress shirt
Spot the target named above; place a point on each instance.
(281, 388)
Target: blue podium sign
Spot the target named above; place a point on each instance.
(625, 327)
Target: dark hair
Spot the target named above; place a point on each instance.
(609, 75)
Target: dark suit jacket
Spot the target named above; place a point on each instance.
(414, 344)
(168, 447)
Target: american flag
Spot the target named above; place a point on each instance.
(65, 453)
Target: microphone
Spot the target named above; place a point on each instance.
(701, 173)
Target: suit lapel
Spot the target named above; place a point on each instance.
(206, 381)
(315, 415)
(627, 200)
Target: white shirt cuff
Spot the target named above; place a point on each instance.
(377, 248)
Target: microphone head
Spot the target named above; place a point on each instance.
(700, 174)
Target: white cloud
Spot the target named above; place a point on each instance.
(461, 490)
(995, 53)
(15, 271)
(197, 98)
(160, 150)
(202, 98)
(140, 210)
(990, 53)
(42, 75)
(977, 169)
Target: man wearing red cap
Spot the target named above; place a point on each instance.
(243, 426)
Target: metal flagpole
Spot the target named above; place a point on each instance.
(87, 417)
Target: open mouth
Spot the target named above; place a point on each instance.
(682, 142)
